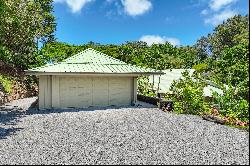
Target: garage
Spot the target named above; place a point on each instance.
(88, 79)
(95, 91)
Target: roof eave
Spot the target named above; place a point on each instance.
(91, 73)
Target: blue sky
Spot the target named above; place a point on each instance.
(181, 22)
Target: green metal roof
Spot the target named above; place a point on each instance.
(92, 62)
(164, 81)
(92, 56)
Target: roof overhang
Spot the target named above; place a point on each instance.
(92, 74)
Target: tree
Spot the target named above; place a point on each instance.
(203, 48)
(233, 68)
(224, 54)
(23, 24)
(232, 32)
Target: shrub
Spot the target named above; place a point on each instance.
(6, 83)
(231, 105)
(144, 87)
(202, 67)
(187, 94)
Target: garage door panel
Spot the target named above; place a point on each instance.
(120, 91)
(67, 89)
(100, 92)
(84, 92)
(94, 91)
(119, 99)
(75, 92)
(84, 99)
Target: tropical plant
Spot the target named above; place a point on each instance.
(188, 96)
(231, 105)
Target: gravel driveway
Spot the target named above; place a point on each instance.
(115, 136)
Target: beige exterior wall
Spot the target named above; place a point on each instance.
(85, 91)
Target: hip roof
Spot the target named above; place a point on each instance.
(91, 61)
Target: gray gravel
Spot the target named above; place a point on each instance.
(115, 136)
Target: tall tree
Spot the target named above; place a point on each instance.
(228, 34)
(203, 48)
(23, 24)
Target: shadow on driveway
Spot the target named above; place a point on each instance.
(10, 114)
(9, 117)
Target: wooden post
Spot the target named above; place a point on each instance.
(158, 88)
(153, 82)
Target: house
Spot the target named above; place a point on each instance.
(89, 78)
(162, 83)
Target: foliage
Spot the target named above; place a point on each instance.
(231, 105)
(157, 56)
(5, 55)
(233, 68)
(144, 87)
(232, 32)
(23, 24)
(187, 94)
(203, 48)
(201, 67)
(6, 84)
(227, 51)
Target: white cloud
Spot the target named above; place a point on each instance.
(155, 39)
(152, 39)
(173, 41)
(216, 5)
(75, 5)
(218, 11)
(136, 7)
(204, 12)
(219, 18)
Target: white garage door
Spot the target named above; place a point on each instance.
(94, 91)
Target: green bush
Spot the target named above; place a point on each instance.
(231, 105)
(187, 94)
(202, 67)
(6, 83)
(145, 88)
(188, 98)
